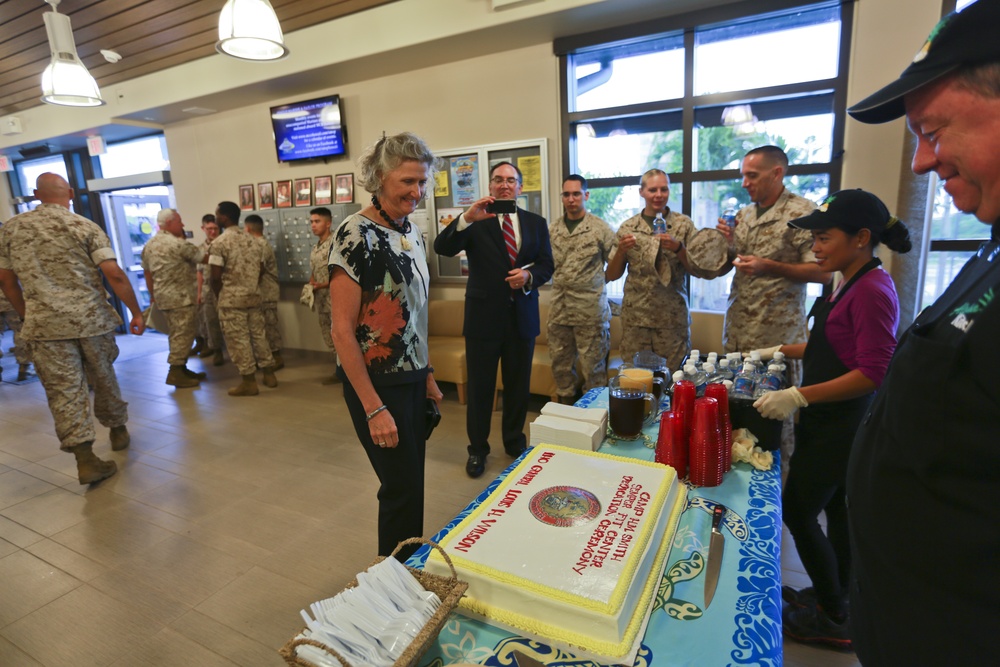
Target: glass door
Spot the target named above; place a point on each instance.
(131, 220)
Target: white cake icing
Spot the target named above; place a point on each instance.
(588, 582)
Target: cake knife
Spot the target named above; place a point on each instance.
(716, 547)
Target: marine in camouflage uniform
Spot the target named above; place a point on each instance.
(208, 311)
(59, 258)
(579, 317)
(269, 294)
(236, 263)
(11, 320)
(319, 263)
(655, 313)
(768, 310)
(169, 263)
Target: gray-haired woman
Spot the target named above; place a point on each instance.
(379, 292)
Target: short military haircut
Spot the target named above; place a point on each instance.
(255, 221)
(208, 217)
(772, 154)
(579, 179)
(164, 216)
(231, 210)
(322, 212)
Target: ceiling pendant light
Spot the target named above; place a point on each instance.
(65, 81)
(249, 29)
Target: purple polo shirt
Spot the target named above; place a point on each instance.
(862, 325)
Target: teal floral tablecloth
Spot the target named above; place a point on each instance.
(741, 627)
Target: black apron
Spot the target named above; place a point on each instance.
(828, 429)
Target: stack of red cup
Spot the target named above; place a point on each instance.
(705, 453)
(696, 436)
(721, 394)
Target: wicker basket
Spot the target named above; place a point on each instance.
(449, 589)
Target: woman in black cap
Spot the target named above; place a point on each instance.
(852, 339)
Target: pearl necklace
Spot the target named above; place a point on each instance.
(403, 229)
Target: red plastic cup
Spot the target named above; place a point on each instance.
(721, 394)
(705, 457)
(672, 443)
(682, 402)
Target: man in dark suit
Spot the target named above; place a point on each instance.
(509, 259)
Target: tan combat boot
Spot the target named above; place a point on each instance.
(199, 345)
(22, 372)
(269, 379)
(89, 468)
(197, 375)
(217, 358)
(178, 378)
(120, 438)
(279, 363)
(246, 387)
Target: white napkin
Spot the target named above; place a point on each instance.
(307, 298)
(745, 449)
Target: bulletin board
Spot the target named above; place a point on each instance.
(463, 177)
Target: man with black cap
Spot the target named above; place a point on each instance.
(923, 482)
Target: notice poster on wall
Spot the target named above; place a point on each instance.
(440, 183)
(465, 179)
(531, 170)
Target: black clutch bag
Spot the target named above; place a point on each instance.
(433, 415)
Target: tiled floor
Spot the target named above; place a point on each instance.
(227, 516)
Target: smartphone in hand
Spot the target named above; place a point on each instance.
(502, 206)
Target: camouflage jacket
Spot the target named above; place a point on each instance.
(768, 310)
(269, 289)
(578, 293)
(171, 262)
(241, 261)
(55, 254)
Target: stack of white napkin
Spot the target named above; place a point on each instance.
(570, 426)
(372, 623)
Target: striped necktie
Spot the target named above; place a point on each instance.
(510, 239)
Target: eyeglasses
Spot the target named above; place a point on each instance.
(496, 180)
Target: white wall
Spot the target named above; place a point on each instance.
(447, 105)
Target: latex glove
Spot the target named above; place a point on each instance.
(766, 353)
(780, 405)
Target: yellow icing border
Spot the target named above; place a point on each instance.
(628, 571)
(586, 642)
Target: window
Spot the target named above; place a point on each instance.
(691, 96)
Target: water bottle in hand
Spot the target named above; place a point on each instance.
(659, 224)
(745, 382)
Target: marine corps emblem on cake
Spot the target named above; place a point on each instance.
(564, 506)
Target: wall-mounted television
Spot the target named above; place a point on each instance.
(309, 130)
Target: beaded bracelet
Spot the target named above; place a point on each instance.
(374, 412)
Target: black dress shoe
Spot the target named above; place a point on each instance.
(475, 466)
(515, 452)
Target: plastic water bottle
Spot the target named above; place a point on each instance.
(724, 371)
(659, 224)
(772, 381)
(713, 358)
(697, 377)
(713, 376)
(745, 382)
(758, 365)
(695, 358)
(729, 217)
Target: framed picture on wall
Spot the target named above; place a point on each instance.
(283, 197)
(265, 196)
(246, 198)
(324, 190)
(303, 192)
(345, 188)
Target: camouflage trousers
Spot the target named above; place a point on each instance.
(670, 343)
(322, 300)
(181, 324)
(243, 330)
(64, 367)
(208, 319)
(271, 328)
(590, 343)
(22, 349)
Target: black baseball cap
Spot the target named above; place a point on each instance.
(850, 210)
(961, 38)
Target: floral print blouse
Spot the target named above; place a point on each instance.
(392, 270)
